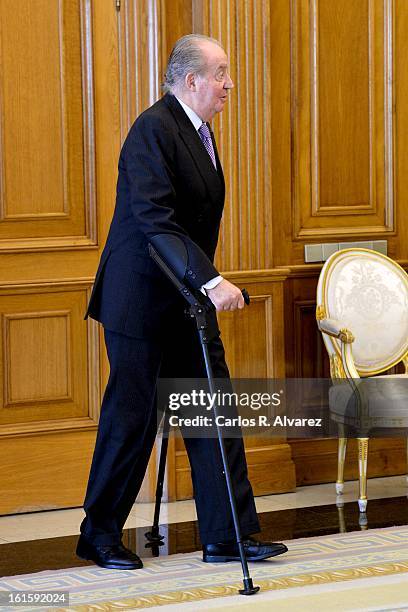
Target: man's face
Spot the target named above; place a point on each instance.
(213, 84)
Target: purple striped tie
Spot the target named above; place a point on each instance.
(205, 136)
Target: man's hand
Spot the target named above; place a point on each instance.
(226, 296)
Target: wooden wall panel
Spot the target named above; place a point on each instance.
(243, 130)
(45, 471)
(306, 356)
(338, 113)
(343, 95)
(47, 196)
(45, 356)
(342, 118)
(237, 332)
(142, 45)
(54, 57)
(398, 248)
(316, 460)
(42, 371)
(285, 250)
(178, 18)
(25, 180)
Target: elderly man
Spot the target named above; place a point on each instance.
(170, 184)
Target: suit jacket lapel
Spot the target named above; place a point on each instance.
(213, 177)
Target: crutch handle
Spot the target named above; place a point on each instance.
(246, 297)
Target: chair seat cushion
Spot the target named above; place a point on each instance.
(384, 402)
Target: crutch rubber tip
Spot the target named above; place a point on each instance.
(249, 588)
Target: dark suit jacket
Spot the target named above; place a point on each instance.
(167, 184)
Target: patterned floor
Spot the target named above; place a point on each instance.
(169, 581)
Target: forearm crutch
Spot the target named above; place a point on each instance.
(154, 536)
(199, 309)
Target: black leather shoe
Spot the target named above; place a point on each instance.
(254, 551)
(114, 556)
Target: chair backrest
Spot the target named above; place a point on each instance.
(368, 293)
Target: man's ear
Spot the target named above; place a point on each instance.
(190, 81)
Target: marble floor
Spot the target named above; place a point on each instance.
(46, 540)
(54, 523)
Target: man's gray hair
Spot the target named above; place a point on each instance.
(186, 56)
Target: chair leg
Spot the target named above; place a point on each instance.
(407, 462)
(340, 465)
(362, 469)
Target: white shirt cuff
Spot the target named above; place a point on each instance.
(213, 282)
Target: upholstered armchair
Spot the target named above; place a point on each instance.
(362, 312)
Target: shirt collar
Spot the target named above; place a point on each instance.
(194, 118)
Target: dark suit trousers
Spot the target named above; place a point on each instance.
(127, 430)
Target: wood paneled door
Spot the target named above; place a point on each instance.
(49, 205)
